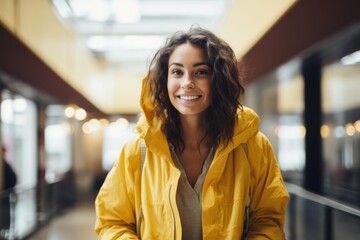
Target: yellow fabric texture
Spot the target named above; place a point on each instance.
(232, 177)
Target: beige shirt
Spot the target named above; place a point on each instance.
(189, 199)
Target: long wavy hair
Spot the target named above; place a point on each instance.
(225, 84)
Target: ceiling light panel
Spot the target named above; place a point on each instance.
(62, 8)
(128, 32)
(351, 59)
(129, 42)
(125, 11)
(182, 8)
(95, 10)
(122, 11)
(153, 27)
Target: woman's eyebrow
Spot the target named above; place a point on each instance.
(177, 64)
(201, 63)
(194, 65)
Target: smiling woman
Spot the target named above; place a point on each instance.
(189, 80)
(194, 179)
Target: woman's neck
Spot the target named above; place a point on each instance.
(193, 130)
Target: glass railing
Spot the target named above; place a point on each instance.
(312, 216)
(23, 210)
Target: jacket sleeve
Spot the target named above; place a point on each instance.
(267, 192)
(115, 202)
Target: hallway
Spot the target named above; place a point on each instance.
(74, 224)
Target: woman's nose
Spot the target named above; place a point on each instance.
(188, 82)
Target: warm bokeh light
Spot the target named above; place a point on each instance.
(86, 128)
(303, 131)
(350, 129)
(357, 125)
(69, 111)
(94, 124)
(325, 131)
(80, 114)
(104, 121)
(122, 123)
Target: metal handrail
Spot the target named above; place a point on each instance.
(19, 189)
(335, 204)
(48, 198)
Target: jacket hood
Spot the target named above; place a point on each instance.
(148, 118)
(145, 101)
(246, 127)
(149, 127)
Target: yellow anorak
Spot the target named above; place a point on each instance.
(233, 177)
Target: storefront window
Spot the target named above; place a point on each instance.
(19, 124)
(58, 144)
(19, 137)
(341, 128)
(279, 101)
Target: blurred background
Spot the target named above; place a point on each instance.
(70, 82)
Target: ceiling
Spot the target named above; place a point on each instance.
(126, 33)
(103, 52)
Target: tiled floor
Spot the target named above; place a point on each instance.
(75, 224)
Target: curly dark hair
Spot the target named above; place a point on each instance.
(225, 84)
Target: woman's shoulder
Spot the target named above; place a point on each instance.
(259, 148)
(132, 146)
(260, 140)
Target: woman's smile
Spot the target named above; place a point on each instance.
(189, 98)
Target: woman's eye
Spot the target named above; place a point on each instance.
(176, 72)
(202, 72)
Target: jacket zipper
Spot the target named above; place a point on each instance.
(172, 214)
(138, 223)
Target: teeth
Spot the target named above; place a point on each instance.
(189, 97)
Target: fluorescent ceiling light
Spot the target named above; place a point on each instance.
(141, 56)
(126, 11)
(97, 43)
(142, 41)
(78, 7)
(62, 8)
(98, 10)
(351, 59)
(183, 8)
(122, 11)
(129, 42)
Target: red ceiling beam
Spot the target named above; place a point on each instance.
(17, 60)
(302, 26)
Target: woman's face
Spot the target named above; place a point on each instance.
(189, 78)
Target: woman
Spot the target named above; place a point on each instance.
(205, 157)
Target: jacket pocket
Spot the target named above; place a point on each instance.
(231, 219)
